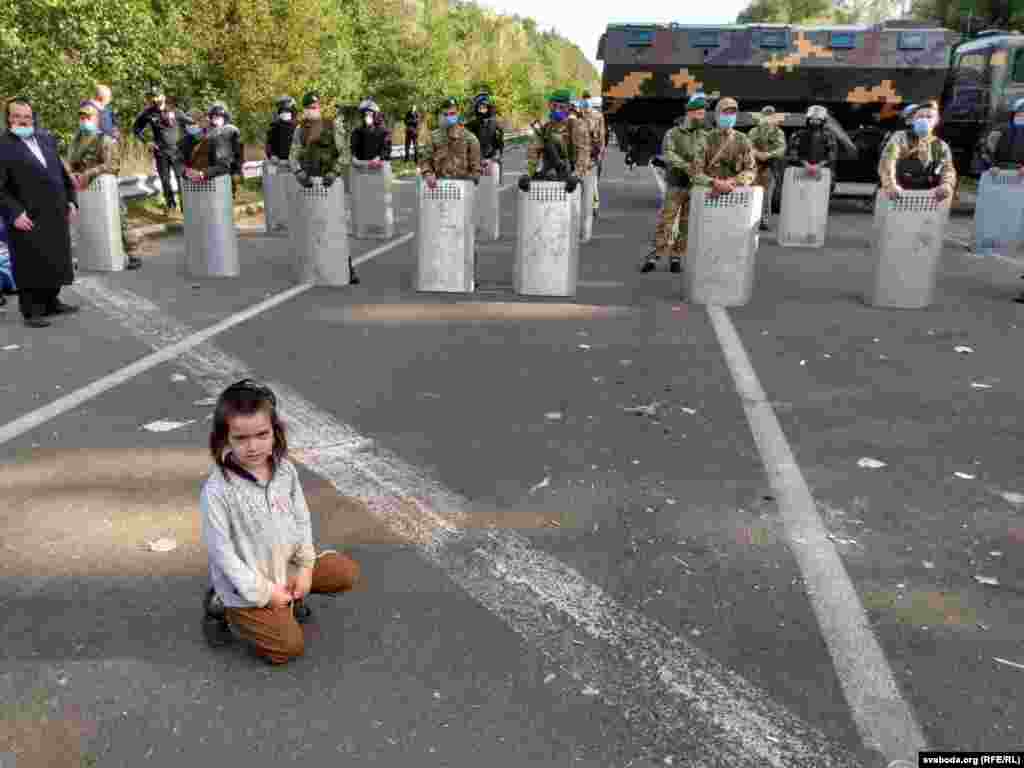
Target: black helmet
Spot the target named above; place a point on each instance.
(482, 100)
(286, 104)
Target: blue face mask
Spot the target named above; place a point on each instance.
(558, 115)
(23, 131)
(451, 120)
(922, 126)
(192, 130)
(726, 121)
(88, 127)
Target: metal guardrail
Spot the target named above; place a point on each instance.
(135, 187)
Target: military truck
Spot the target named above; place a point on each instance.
(863, 75)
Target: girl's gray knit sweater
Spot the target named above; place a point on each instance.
(257, 535)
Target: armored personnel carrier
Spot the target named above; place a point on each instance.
(863, 75)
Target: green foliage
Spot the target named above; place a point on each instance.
(248, 52)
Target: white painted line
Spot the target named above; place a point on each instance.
(383, 249)
(883, 718)
(598, 284)
(678, 701)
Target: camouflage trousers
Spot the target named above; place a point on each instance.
(673, 224)
(130, 246)
(766, 180)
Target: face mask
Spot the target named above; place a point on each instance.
(593, 104)
(23, 131)
(312, 114)
(558, 115)
(1018, 120)
(88, 126)
(368, 119)
(285, 117)
(216, 122)
(726, 121)
(193, 130)
(922, 126)
(482, 110)
(451, 120)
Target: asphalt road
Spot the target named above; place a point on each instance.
(553, 576)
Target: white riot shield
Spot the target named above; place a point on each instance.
(547, 246)
(999, 213)
(372, 201)
(803, 219)
(587, 186)
(97, 242)
(211, 242)
(275, 197)
(319, 234)
(488, 213)
(721, 246)
(908, 250)
(446, 238)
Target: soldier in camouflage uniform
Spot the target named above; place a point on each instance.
(451, 152)
(598, 140)
(566, 137)
(919, 160)
(769, 148)
(94, 154)
(343, 141)
(315, 153)
(726, 159)
(681, 146)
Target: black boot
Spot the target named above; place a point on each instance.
(675, 266)
(302, 612)
(215, 624)
(353, 278)
(648, 266)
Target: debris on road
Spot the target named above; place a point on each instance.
(542, 484)
(803, 362)
(166, 426)
(626, 363)
(964, 476)
(11, 347)
(162, 545)
(928, 564)
(689, 411)
(645, 410)
(980, 385)
(1008, 663)
(590, 691)
(428, 396)
(670, 501)
(553, 416)
(990, 581)
(963, 350)
(1013, 498)
(869, 463)
(553, 524)
(549, 677)
(206, 401)
(582, 346)
(179, 377)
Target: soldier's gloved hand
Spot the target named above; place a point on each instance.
(430, 180)
(571, 183)
(303, 178)
(476, 181)
(894, 193)
(524, 183)
(329, 179)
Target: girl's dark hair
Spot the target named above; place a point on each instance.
(244, 398)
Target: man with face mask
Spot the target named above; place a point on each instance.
(680, 148)
(484, 125)
(451, 152)
(920, 160)
(769, 148)
(1003, 148)
(815, 147)
(94, 154)
(39, 200)
(726, 157)
(279, 135)
(167, 127)
(315, 152)
(223, 148)
(559, 149)
(598, 133)
(370, 143)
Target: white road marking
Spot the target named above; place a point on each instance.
(677, 700)
(883, 718)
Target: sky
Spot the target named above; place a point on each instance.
(584, 22)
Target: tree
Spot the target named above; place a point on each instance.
(785, 11)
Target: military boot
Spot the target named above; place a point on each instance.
(675, 265)
(301, 611)
(215, 624)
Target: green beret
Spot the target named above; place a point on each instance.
(561, 96)
(310, 99)
(696, 102)
(448, 103)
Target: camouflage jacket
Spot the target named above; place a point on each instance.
(769, 140)
(927, 150)
(343, 141)
(452, 153)
(571, 140)
(598, 130)
(314, 149)
(728, 155)
(680, 148)
(94, 156)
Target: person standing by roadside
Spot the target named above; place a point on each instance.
(167, 127)
(108, 118)
(769, 150)
(412, 133)
(38, 197)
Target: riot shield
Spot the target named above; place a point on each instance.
(547, 246)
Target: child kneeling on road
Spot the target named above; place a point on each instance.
(258, 534)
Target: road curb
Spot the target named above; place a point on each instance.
(174, 228)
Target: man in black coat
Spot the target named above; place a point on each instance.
(168, 127)
(412, 133)
(39, 199)
(370, 141)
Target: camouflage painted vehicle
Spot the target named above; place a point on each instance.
(863, 75)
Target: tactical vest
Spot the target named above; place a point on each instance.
(86, 152)
(486, 131)
(370, 143)
(814, 146)
(561, 144)
(319, 152)
(912, 174)
(1010, 147)
(280, 139)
